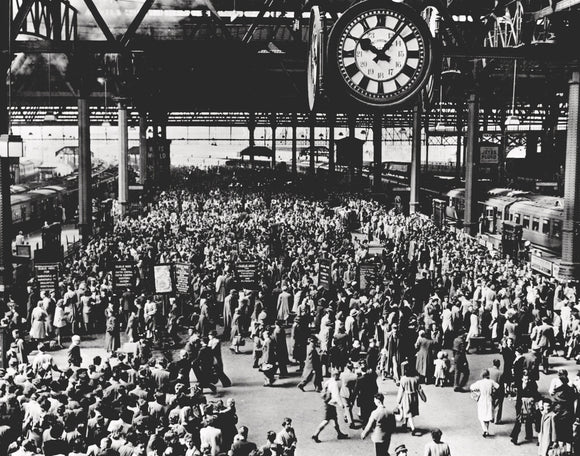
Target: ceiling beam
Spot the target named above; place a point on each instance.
(130, 33)
(18, 21)
(100, 21)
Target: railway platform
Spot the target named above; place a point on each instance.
(69, 236)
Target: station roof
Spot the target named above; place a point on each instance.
(204, 71)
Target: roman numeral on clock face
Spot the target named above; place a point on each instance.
(381, 20)
(408, 71)
(347, 54)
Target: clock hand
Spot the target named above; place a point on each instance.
(366, 45)
(388, 44)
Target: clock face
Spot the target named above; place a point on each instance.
(381, 53)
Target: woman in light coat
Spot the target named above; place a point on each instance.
(483, 390)
(38, 322)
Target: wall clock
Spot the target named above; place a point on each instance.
(379, 54)
(316, 51)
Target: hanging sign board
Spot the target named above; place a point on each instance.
(162, 275)
(247, 274)
(123, 275)
(182, 277)
(488, 155)
(47, 276)
(324, 274)
(541, 265)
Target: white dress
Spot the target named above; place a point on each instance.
(59, 320)
(485, 387)
(473, 326)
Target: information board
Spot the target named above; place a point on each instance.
(488, 155)
(23, 250)
(47, 276)
(324, 273)
(163, 282)
(367, 275)
(541, 265)
(247, 274)
(182, 277)
(123, 275)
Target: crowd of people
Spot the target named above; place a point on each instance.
(412, 315)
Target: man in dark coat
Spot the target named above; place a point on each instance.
(279, 336)
(312, 366)
(268, 361)
(366, 388)
(496, 374)
(216, 347)
(460, 363)
(204, 364)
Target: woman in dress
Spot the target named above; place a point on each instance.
(236, 334)
(59, 323)
(473, 326)
(483, 392)
(38, 322)
(408, 396)
(112, 334)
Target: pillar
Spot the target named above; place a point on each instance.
(378, 152)
(352, 135)
(294, 144)
(312, 168)
(415, 160)
(273, 126)
(252, 131)
(6, 232)
(85, 199)
(459, 150)
(143, 148)
(123, 157)
(331, 145)
(570, 264)
(471, 162)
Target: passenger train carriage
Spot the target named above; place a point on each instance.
(540, 216)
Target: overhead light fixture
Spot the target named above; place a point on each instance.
(512, 121)
(50, 116)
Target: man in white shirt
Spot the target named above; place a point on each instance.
(332, 400)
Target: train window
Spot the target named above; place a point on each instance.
(546, 226)
(556, 228)
(536, 224)
(517, 219)
(526, 222)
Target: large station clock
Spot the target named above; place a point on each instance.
(379, 54)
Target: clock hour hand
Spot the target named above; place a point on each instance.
(367, 45)
(396, 33)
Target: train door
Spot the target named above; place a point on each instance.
(490, 215)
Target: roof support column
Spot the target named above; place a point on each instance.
(273, 126)
(294, 143)
(143, 148)
(331, 145)
(85, 201)
(459, 150)
(252, 131)
(123, 197)
(312, 168)
(570, 265)
(415, 160)
(378, 152)
(471, 163)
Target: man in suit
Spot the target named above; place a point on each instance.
(281, 348)
(543, 339)
(312, 366)
(216, 348)
(268, 361)
(204, 365)
(160, 375)
(496, 374)
(382, 423)
(526, 361)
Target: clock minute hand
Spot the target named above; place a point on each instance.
(389, 43)
(366, 45)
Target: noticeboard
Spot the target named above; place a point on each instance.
(182, 277)
(367, 275)
(324, 274)
(488, 155)
(247, 274)
(47, 276)
(123, 275)
(541, 265)
(162, 275)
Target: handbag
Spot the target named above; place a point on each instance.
(266, 367)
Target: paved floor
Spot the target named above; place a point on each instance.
(263, 409)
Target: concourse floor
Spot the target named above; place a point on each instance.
(263, 409)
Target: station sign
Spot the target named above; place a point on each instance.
(247, 274)
(47, 276)
(123, 275)
(541, 265)
(182, 277)
(367, 275)
(324, 273)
